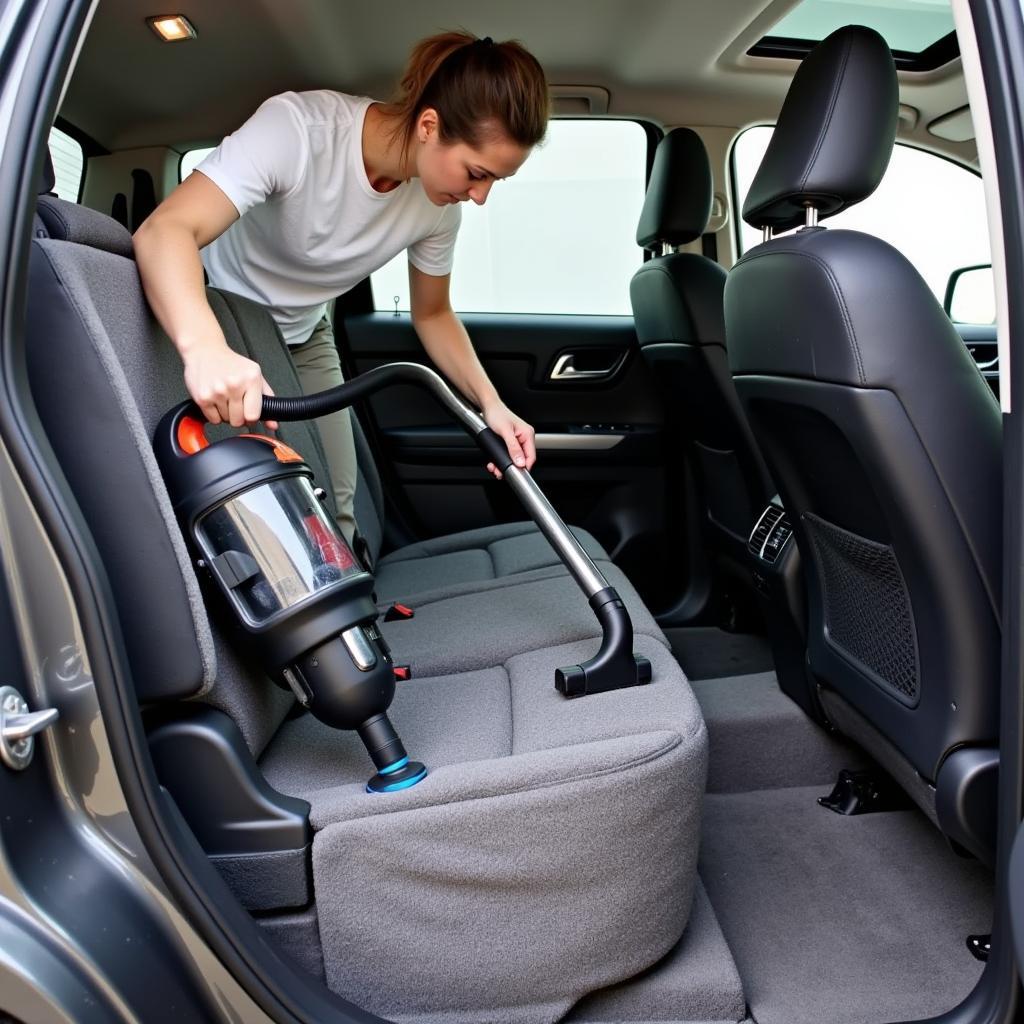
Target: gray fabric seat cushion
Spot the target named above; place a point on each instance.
(469, 630)
(471, 560)
(549, 853)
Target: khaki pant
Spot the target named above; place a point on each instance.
(319, 368)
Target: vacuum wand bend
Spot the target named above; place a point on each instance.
(614, 665)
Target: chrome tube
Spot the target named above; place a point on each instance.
(561, 538)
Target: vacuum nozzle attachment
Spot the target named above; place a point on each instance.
(614, 666)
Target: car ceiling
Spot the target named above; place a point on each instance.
(671, 61)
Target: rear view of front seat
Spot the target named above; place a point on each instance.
(678, 311)
(885, 442)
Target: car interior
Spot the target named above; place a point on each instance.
(777, 435)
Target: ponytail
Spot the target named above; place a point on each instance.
(478, 87)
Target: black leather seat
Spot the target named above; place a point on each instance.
(677, 302)
(885, 442)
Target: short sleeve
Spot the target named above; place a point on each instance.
(435, 254)
(265, 156)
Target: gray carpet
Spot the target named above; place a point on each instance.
(697, 981)
(760, 739)
(708, 653)
(856, 920)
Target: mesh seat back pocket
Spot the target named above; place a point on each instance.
(866, 606)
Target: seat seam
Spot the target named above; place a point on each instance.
(675, 741)
(837, 82)
(511, 714)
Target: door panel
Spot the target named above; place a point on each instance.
(980, 340)
(602, 458)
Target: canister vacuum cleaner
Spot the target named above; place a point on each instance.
(301, 599)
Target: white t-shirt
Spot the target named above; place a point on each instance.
(311, 226)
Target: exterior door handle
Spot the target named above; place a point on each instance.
(565, 369)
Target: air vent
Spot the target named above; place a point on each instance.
(777, 540)
(770, 535)
(771, 515)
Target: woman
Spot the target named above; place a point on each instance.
(317, 190)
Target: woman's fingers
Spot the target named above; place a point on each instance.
(227, 387)
(528, 442)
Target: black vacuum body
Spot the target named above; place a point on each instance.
(302, 601)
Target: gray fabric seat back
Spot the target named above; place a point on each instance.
(677, 303)
(881, 433)
(102, 374)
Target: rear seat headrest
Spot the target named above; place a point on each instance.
(48, 181)
(70, 222)
(835, 133)
(678, 201)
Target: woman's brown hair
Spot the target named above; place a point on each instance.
(478, 87)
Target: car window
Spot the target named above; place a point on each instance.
(930, 209)
(68, 161)
(558, 237)
(191, 160)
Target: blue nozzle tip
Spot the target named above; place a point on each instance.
(414, 773)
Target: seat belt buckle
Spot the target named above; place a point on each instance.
(398, 611)
(402, 672)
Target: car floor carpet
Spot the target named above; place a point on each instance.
(760, 739)
(708, 653)
(853, 920)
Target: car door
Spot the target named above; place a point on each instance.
(541, 281)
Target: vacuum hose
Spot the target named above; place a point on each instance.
(614, 665)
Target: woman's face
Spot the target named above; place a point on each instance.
(457, 172)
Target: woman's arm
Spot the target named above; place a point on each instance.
(226, 386)
(448, 345)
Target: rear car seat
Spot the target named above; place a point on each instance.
(552, 849)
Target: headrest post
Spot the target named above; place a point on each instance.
(810, 216)
(766, 233)
(667, 248)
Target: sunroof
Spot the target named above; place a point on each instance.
(919, 32)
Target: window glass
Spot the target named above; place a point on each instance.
(930, 209)
(911, 25)
(558, 237)
(68, 161)
(191, 160)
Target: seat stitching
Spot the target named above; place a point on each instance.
(511, 714)
(675, 740)
(833, 99)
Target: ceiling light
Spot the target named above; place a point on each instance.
(172, 28)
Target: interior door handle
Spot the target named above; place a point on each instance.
(565, 369)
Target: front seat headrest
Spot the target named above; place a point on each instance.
(835, 133)
(678, 201)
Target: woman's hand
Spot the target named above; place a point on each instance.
(517, 434)
(226, 386)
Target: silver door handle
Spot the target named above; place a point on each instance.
(564, 369)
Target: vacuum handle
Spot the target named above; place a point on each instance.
(540, 510)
